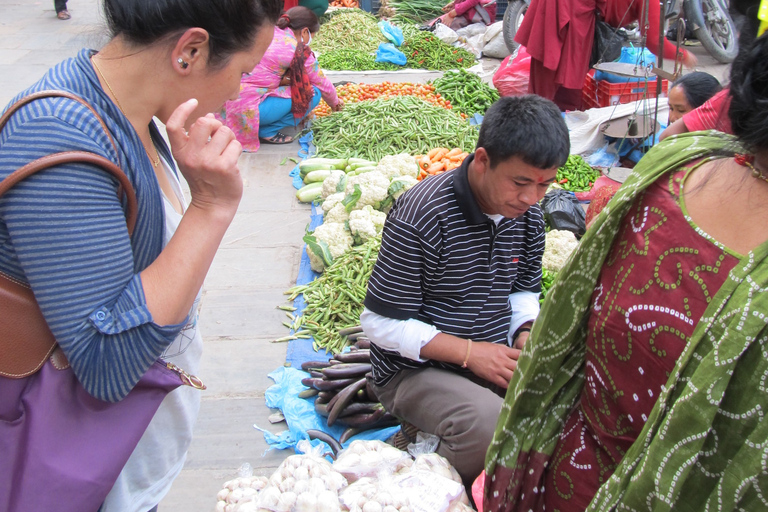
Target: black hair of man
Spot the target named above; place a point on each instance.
(529, 127)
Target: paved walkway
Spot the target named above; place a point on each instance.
(257, 261)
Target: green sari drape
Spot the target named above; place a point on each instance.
(705, 444)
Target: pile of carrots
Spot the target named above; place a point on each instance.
(352, 93)
(344, 3)
(439, 160)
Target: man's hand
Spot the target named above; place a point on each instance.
(493, 362)
(521, 339)
(449, 7)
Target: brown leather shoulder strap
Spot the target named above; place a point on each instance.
(77, 156)
(71, 156)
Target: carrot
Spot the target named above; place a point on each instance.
(436, 167)
(432, 153)
(464, 155)
(452, 165)
(424, 162)
(453, 152)
(439, 155)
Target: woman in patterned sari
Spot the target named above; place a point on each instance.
(645, 380)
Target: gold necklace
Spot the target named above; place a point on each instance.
(746, 161)
(156, 160)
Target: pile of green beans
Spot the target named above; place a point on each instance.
(376, 128)
(577, 175)
(466, 91)
(349, 28)
(415, 11)
(335, 299)
(425, 51)
(350, 59)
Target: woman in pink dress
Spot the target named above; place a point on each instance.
(284, 88)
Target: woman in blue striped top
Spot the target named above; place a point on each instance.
(114, 303)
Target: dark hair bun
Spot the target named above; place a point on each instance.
(749, 95)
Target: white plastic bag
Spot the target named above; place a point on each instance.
(370, 458)
(493, 41)
(445, 33)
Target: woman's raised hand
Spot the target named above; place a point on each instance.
(207, 156)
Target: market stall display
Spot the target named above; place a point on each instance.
(439, 160)
(577, 175)
(411, 11)
(399, 125)
(466, 91)
(354, 93)
(347, 29)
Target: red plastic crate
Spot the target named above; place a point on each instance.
(600, 93)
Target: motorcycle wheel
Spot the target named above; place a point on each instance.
(714, 28)
(513, 17)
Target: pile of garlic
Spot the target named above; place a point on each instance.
(369, 495)
(370, 458)
(436, 464)
(302, 483)
(237, 490)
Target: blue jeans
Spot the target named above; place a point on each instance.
(275, 114)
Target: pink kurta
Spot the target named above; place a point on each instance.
(242, 114)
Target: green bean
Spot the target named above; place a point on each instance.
(333, 302)
(466, 91)
(339, 134)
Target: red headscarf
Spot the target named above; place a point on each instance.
(301, 88)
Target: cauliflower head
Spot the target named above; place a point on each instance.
(337, 214)
(334, 183)
(332, 200)
(327, 242)
(374, 188)
(399, 185)
(558, 247)
(393, 166)
(366, 223)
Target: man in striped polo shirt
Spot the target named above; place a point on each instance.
(456, 285)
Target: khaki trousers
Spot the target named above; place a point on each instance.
(460, 411)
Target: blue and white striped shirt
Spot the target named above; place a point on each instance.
(63, 231)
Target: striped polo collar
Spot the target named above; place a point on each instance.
(464, 196)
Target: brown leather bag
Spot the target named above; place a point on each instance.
(26, 342)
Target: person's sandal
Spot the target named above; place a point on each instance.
(279, 138)
(63, 15)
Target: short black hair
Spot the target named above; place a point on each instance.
(529, 127)
(231, 24)
(698, 87)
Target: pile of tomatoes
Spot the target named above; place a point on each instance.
(352, 93)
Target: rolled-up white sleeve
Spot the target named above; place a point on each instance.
(525, 308)
(406, 337)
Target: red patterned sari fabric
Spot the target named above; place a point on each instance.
(655, 285)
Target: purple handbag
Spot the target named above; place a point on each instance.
(61, 449)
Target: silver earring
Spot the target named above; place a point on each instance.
(182, 63)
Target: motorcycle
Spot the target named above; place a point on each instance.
(709, 19)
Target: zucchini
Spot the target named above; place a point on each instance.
(311, 192)
(306, 169)
(367, 168)
(315, 176)
(327, 163)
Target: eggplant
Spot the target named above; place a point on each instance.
(314, 365)
(363, 343)
(326, 384)
(343, 398)
(346, 370)
(351, 330)
(360, 408)
(358, 356)
(309, 393)
(377, 419)
(327, 439)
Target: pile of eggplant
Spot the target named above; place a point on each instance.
(344, 388)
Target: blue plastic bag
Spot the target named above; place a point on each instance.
(391, 32)
(388, 53)
(642, 57)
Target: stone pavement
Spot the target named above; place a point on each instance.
(257, 261)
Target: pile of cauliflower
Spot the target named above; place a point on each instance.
(557, 249)
(355, 207)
